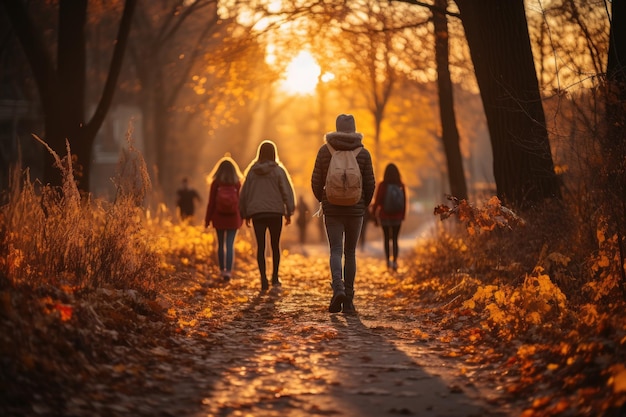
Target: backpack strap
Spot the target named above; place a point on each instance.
(332, 150)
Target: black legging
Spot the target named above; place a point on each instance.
(275, 226)
(391, 233)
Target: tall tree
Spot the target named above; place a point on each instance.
(171, 38)
(372, 35)
(62, 82)
(379, 73)
(615, 142)
(569, 39)
(369, 33)
(616, 78)
(497, 35)
(449, 131)
(195, 68)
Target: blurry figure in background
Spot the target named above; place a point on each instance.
(223, 211)
(303, 219)
(319, 220)
(343, 218)
(267, 195)
(185, 200)
(389, 210)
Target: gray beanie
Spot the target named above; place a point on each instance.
(345, 123)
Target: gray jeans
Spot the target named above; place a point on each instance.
(343, 234)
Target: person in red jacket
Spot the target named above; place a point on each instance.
(223, 211)
(389, 211)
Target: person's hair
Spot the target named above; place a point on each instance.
(227, 171)
(392, 174)
(267, 151)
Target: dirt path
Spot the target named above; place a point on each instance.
(281, 353)
(229, 350)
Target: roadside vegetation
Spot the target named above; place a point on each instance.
(540, 294)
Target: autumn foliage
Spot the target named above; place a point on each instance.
(549, 304)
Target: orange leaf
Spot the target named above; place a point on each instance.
(65, 310)
(619, 381)
(560, 407)
(541, 402)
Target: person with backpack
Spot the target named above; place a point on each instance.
(343, 182)
(389, 211)
(267, 195)
(223, 211)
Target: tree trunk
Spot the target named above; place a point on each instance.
(71, 67)
(159, 32)
(616, 76)
(156, 119)
(149, 106)
(615, 142)
(449, 131)
(62, 89)
(497, 35)
(378, 121)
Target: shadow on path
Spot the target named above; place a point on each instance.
(285, 355)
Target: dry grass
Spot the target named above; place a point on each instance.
(56, 237)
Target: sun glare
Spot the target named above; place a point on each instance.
(301, 75)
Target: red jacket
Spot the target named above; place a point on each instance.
(379, 198)
(219, 220)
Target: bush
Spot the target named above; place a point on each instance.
(56, 237)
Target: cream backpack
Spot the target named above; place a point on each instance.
(344, 184)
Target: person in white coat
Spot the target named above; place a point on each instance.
(267, 195)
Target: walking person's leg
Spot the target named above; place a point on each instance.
(220, 249)
(276, 226)
(335, 231)
(387, 238)
(260, 226)
(395, 232)
(230, 250)
(352, 232)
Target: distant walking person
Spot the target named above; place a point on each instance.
(303, 219)
(389, 210)
(267, 196)
(223, 211)
(185, 200)
(367, 218)
(343, 204)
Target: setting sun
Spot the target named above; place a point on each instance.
(301, 75)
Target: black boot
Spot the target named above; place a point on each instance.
(348, 304)
(339, 296)
(264, 284)
(276, 281)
